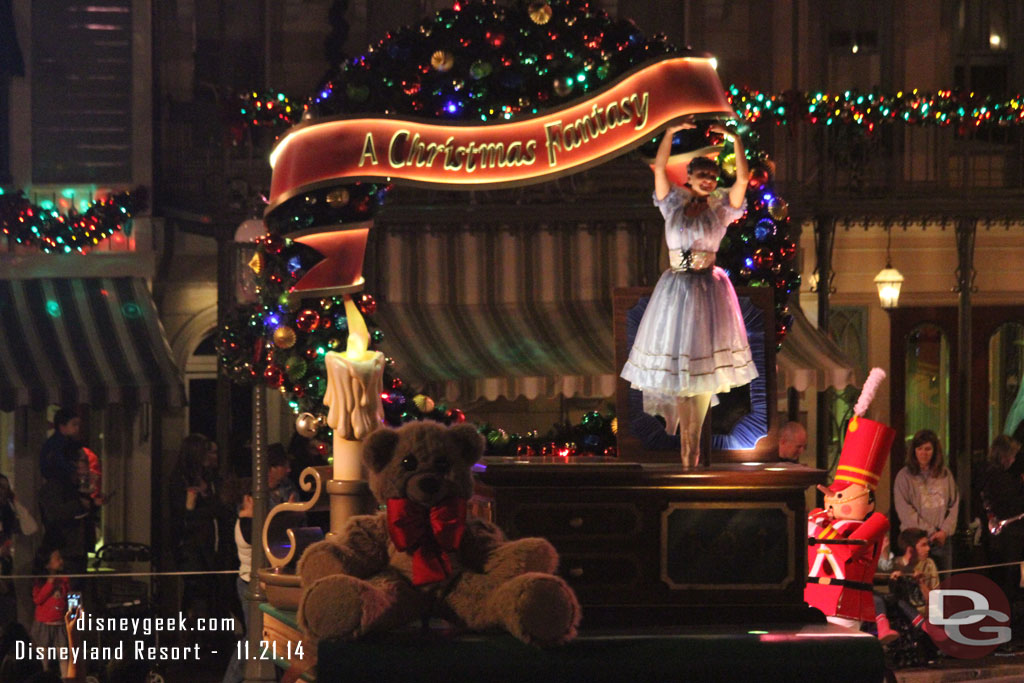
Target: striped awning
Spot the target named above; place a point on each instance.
(809, 359)
(95, 341)
(484, 313)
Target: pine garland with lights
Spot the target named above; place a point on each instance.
(46, 228)
(868, 110)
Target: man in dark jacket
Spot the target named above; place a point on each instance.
(67, 431)
(67, 514)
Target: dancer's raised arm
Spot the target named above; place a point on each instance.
(739, 189)
(662, 185)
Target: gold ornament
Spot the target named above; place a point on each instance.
(442, 60)
(540, 13)
(615, 425)
(778, 208)
(425, 404)
(307, 425)
(338, 197)
(284, 337)
(729, 164)
(256, 263)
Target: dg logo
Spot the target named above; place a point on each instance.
(973, 611)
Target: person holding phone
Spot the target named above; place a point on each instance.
(50, 596)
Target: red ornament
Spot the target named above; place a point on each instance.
(273, 243)
(309, 353)
(322, 449)
(787, 250)
(611, 452)
(397, 383)
(455, 415)
(763, 258)
(273, 376)
(367, 304)
(759, 176)
(307, 320)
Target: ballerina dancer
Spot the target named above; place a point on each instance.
(691, 343)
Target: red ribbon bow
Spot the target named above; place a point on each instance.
(428, 533)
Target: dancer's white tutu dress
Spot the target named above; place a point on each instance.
(691, 339)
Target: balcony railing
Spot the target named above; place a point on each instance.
(899, 162)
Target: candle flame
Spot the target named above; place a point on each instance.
(358, 334)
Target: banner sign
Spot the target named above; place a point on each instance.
(610, 122)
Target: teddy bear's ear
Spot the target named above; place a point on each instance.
(469, 442)
(378, 449)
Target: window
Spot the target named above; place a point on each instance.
(984, 43)
(854, 59)
(81, 92)
(927, 382)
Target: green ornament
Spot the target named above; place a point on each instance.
(295, 367)
(480, 69)
(592, 421)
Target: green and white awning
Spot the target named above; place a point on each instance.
(482, 313)
(72, 341)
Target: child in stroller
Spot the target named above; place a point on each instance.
(900, 614)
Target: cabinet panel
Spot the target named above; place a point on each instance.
(561, 520)
(586, 571)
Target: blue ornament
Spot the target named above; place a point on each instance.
(764, 229)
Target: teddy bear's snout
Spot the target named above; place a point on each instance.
(425, 489)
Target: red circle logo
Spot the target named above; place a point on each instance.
(973, 613)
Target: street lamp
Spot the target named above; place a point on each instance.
(889, 280)
(244, 246)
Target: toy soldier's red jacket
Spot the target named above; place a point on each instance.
(840, 577)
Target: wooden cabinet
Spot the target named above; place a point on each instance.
(651, 543)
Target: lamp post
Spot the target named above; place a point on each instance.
(244, 291)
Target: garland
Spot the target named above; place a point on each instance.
(868, 110)
(43, 226)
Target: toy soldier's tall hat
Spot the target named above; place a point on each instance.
(867, 445)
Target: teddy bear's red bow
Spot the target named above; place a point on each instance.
(428, 533)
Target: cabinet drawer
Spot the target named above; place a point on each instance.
(562, 520)
(584, 571)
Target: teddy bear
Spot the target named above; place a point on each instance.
(422, 558)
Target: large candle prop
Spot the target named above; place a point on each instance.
(355, 380)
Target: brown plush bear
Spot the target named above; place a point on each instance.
(423, 558)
